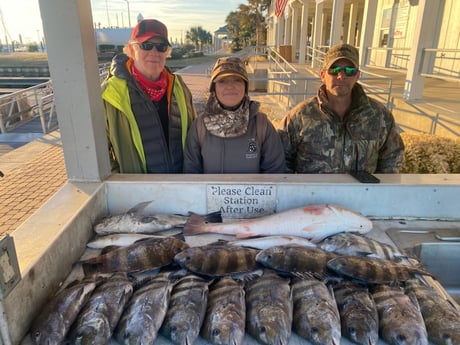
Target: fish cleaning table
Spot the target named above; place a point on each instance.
(64, 224)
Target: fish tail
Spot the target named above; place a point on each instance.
(194, 225)
(90, 268)
(214, 217)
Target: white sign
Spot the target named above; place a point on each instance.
(241, 201)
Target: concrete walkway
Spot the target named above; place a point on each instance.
(33, 173)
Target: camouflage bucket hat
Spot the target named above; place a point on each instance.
(228, 66)
(341, 51)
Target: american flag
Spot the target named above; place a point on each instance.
(280, 5)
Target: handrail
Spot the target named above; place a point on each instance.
(19, 107)
(436, 62)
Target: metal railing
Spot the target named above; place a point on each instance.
(20, 107)
(24, 105)
(436, 63)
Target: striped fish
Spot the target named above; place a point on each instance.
(269, 309)
(98, 319)
(54, 321)
(373, 270)
(225, 318)
(316, 317)
(217, 260)
(186, 310)
(358, 313)
(292, 258)
(442, 318)
(143, 255)
(400, 318)
(347, 243)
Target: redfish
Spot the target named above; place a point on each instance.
(314, 222)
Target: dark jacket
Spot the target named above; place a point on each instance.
(252, 152)
(317, 140)
(137, 142)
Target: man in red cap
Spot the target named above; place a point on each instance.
(148, 109)
(341, 129)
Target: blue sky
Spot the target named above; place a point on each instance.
(178, 15)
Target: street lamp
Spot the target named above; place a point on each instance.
(129, 15)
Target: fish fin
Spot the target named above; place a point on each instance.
(368, 254)
(214, 217)
(139, 208)
(90, 268)
(304, 275)
(194, 225)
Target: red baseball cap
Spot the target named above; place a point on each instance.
(148, 28)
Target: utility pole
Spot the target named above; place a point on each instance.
(7, 34)
(129, 15)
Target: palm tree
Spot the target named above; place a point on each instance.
(198, 36)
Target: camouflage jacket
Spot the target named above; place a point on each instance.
(317, 140)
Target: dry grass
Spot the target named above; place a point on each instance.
(41, 59)
(431, 154)
(23, 59)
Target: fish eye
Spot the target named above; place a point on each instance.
(401, 338)
(262, 329)
(215, 332)
(351, 330)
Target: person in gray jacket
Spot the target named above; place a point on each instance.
(232, 135)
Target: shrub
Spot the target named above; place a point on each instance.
(430, 154)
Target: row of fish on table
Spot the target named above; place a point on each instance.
(309, 270)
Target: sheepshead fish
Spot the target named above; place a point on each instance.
(100, 315)
(269, 309)
(373, 270)
(316, 317)
(186, 310)
(53, 323)
(217, 260)
(145, 311)
(143, 255)
(400, 319)
(347, 243)
(292, 258)
(442, 318)
(225, 317)
(314, 222)
(265, 242)
(135, 221)
(358, 313)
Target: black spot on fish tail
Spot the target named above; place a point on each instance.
(213, 217)
(194, 225)
(90, 268)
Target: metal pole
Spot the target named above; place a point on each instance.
(129, 15)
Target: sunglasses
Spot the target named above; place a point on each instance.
(349, 71)
(147, 45)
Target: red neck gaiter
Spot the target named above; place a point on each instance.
(154, 89)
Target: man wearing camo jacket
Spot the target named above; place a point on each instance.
(341, 129)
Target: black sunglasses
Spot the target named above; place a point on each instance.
(349, 71)
(147, 45)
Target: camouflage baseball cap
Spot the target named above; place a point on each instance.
(227, 66)
(341, 51)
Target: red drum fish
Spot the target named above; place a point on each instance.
(314, 222)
